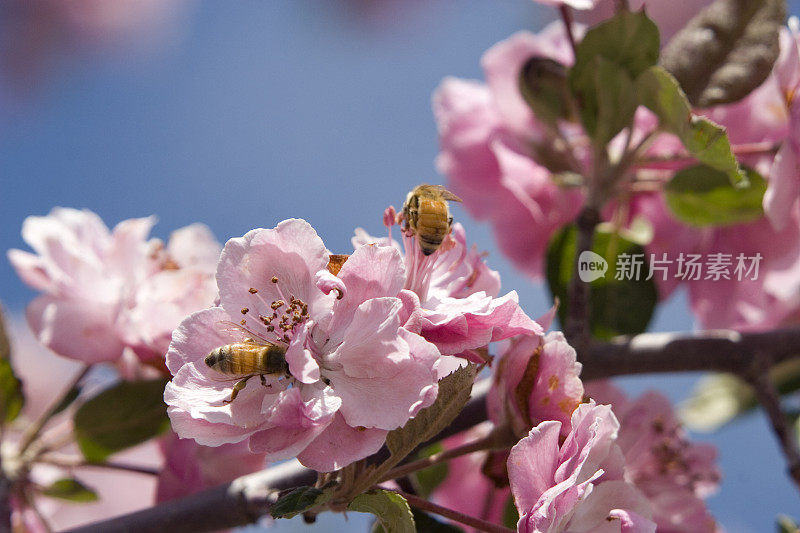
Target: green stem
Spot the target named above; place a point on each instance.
(36, 428)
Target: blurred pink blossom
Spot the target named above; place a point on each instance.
(453, 295)
(674, 473)
(536, 378)
(354, 372)
(755, 302)
(578, 485)
(190, 467)
(784, 179)
(487, 133)
(110, 292)
(35, 34)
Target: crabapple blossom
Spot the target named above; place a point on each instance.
(784, 178)
(675, 474)
(754, 302)
(354, 371)
(488, 134)
(189, 467)
(578, 485)
(107, 293)
(536, 378)
(453, 295)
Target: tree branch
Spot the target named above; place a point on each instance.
(576, 327)
(770, 400)
(245, 499)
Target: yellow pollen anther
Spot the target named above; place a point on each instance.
(274, 279)
(245, 310)
(252, 290)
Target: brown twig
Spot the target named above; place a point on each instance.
(576, 327)
(770, 400)
(477, 523)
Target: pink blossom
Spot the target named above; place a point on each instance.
(535, 379)
(487, 132)
(453, 295)
(354, 372)
(35, 32)
(674, 473)
(190, 467)
(579, 485)
(760, 300)
(110, 292)
(784, 178)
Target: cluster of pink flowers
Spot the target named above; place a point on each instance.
(34, 32)
(363, 354)
(111, 294)
(492, 145)
(579, 466)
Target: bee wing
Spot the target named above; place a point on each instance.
(444, 193)
(240, 332)
(447, 195)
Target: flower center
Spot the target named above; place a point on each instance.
(281, 315)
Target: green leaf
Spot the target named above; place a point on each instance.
(709, 144)
(70, 489)
(543, 85)
(703, 139)
(610, 56)
(786, 524)
(391, 509)
(11, 394)
(618, 307)
(703, 196)
(433, 476)
(719, 398)
(67, 400)
(629, 40)
(510, 514)
(454, 390)
(298, 501)
(726, 50)
(125, 415)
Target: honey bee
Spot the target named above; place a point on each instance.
(427, 215)
(246, 359)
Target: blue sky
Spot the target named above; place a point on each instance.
(263, 111)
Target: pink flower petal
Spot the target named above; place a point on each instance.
(75, 329)
(341, 444)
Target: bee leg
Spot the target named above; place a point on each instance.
(236, 388)
(263, 379)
